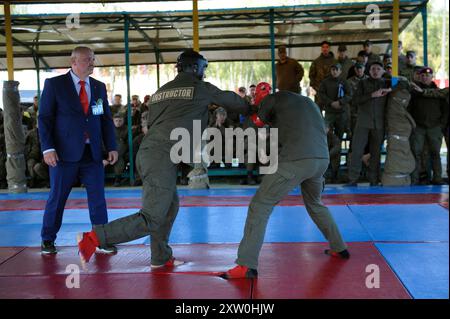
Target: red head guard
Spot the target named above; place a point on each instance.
(262, 90)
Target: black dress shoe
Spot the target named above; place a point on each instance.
(48, 247)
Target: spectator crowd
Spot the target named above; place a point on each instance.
(352, 95)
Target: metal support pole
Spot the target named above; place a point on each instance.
(127, 72)
(157, 69)
(425, 34)
(395, 23)
(37, 64)
(9, 42)
(38, 78)
(195, 25)
(272, 50)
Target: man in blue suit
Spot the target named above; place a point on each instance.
(75, 126)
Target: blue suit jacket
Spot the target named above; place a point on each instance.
(62, 122)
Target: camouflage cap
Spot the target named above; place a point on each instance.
(377, 63)
(336, 66)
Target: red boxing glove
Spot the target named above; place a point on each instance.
(256, 120)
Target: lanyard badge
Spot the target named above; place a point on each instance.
(97, 108)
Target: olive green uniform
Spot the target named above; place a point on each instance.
(175, 105)
(336, 89)
(289, 75)
(320, 69)
(401, 61)
(37, 169)
(431, 116)
(353, 110)
(303, 159)
(369, 127)
(122, 147)
(334, 149)
(33, 111)
(346, 64)
(441, 94)
(407, 70)
(118, 108)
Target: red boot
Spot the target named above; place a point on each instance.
(172, 262)
(240, 272)
(342, 254)
(87, 244)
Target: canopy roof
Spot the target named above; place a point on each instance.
(225, 35)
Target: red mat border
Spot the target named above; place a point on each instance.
(238, 201)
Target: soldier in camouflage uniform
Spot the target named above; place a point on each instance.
(361, 58)
(303, 159)
(344, 61)
(335, 95)
(33, 112)
(137, 141)
(407, 69)
(371, 98)
(289, 72)
(321, 68)
(37, 169)
(360, 75)
(371, 57)
(441, 94)
(175, 106)
(431, 116)
(121, 132)
(401, 56)
(334, 148)
(117, 107)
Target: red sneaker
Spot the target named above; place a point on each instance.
(172, 262)
(240, 272)
(87, 244)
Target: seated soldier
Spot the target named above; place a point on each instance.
(121, 132)
(116, 106)
(136, 144)
(37, 169)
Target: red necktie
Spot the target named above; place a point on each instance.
(84, 98)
